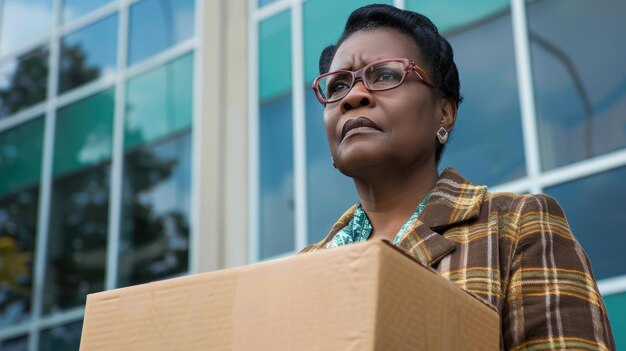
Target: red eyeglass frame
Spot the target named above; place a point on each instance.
(409, 65)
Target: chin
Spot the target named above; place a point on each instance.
(360, 163)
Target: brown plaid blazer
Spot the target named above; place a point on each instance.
(516, 253)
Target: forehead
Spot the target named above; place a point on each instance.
(366, 46)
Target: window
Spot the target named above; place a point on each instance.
(88, 54)
(580, 81)
(20, 168)
(76, 258)
(23, 81)
(154, 241)
(14, 14)
(275, 138)
(73, 9)
(102, 161)
(156, 25)
(595, 210)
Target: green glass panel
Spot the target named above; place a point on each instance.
(323, 24)
(20, 156)
(454, 15)
(616, 306)
(83, 133)
(159, 102)
(275, 56)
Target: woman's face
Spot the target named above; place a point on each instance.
(404, 119)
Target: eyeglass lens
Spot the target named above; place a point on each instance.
(379, 76)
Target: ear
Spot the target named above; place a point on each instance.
(447, 111)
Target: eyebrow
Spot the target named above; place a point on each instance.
(365, 63)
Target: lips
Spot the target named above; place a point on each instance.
(358, 122)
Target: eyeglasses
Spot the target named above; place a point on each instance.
(377, 76)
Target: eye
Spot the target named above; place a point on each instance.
(386, 75)
(336, 85)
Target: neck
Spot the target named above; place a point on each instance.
(390, 199)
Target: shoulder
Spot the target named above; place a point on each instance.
(523, 204)
(527, 214)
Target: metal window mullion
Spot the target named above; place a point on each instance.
(160, 58)
(24, 49)
(22, 116)
(89, 18)
(526, 94)
(62, 29)
(253, 136)
(585, 168)
(515, 186)
(86, 90)
(299, 126)
(45, 189)
(117, 155)
(613, 285)
(268, 11)
(196, 151)
(56, 319)
(399, 4)
(1, 17)
(14, 331)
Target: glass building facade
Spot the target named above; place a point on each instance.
(544, 111)
(121, 120)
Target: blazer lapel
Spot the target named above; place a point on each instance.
(452, 200)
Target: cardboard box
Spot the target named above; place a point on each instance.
(366, 296)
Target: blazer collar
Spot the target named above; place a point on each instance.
(452, 200)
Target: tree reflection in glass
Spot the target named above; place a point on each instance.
(18, 229)
(155, 223)
(15, 344)
(20, 166)
(64, 337)
(78, 225)
(88, 53)
(78, 234)
(74, 68)
(23, 81)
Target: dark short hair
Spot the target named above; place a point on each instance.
(435, 49)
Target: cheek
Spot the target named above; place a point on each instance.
(330, 125)
(412, 128)
(414, 118)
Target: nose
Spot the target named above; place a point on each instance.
(358, 96)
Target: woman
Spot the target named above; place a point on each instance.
(391, 101)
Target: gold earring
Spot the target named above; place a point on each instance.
(442, 135)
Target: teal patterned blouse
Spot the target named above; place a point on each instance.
(359, 228)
